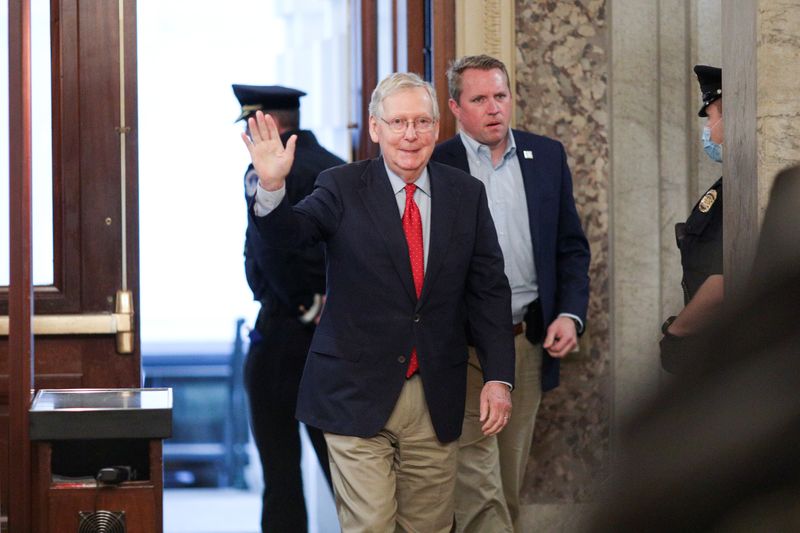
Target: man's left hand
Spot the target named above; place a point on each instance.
(495, 407)
(561, 337)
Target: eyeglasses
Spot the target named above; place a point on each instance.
(421, 124)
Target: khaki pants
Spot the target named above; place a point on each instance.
(491, 469)
(402, 479)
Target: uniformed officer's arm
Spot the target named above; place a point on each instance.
(701, 310)
(271, 159)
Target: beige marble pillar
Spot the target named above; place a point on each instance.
(562, 67)
(659, 171)
(761, 57)
(617, 88)
(613, 81)
(487, 27)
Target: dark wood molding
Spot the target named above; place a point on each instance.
(414, 36)
(364, 74)
(20, 308)
(444, 50)
(438, 48)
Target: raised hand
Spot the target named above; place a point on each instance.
(271, 159)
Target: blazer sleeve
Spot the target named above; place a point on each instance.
(292, 275)
(309, 222)
(572, 253)
(488, 300)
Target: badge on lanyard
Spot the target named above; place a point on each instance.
(707, 201)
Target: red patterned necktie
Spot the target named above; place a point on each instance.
(412, 226)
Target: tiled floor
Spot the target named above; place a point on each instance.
(211, 511)
(239, 511)
(229, 511)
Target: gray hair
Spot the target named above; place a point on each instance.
(400, 81)
(480, 62)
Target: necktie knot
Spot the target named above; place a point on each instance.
(410, 190)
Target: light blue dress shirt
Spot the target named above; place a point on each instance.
(508, 204)
(422, 196)
(509, 207)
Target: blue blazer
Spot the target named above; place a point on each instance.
(560, 249)
(372, 318)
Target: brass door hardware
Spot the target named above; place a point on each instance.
(119, 323)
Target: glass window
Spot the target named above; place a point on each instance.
(42, 153)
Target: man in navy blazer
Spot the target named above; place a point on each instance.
(529, 188)
(391, 429)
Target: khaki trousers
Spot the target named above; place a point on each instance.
(491, 469)
(402, 479)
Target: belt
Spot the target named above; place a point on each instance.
(519, 329)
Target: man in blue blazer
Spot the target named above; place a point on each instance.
(529, 188)
(412, 257)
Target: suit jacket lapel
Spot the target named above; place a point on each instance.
(454, 153)
(379, 200)
(445, 197)
(529, 180)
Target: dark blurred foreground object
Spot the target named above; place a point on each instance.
(778, 254)
(719, 449)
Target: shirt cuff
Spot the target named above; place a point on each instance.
(507, 384)
(267, 201)
(573, 317)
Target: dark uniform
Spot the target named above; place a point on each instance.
(287, 283)
(699, 239)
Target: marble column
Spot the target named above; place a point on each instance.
(613, 81)
(487, 27)
(761, 56)
(562, 92)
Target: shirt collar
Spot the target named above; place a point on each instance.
(475, 149)
(398, 184)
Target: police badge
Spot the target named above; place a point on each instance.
(707, 201)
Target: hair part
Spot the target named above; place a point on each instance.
(481, 62)
(400, 81)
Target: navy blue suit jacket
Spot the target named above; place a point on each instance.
(560, 250)
(372, 318)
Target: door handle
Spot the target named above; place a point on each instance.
(119, 323)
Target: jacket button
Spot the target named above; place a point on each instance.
(417, 318)
(401, 359)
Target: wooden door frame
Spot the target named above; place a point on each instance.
(20, 304)
(414, 50)
(87, 192)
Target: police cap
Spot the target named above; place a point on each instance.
(260, 97)
(710, 79)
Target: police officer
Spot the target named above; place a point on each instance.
(699, 239)
(289, 284)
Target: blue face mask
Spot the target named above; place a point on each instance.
(713, 150)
